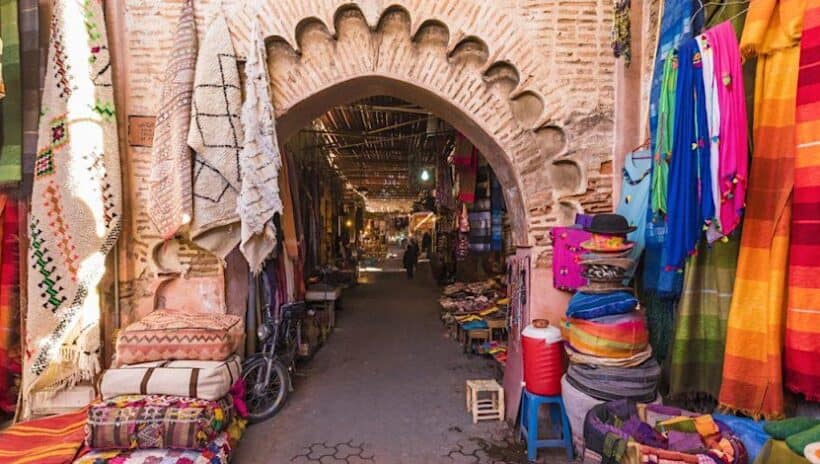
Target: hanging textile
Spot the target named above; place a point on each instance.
(689, 192)
(12, 110)
(466, 164)
(216, 138)
(259, 161)
(752, 370)
(635, 199)
(9, 307)
(77, 177)
(802, 347)
(676, 25)
(713, 117)
(497, 208)
(621, 35)
(700, 325)
(733, 149)
(666, 134)
(169, 185)
(288, 219)
(444, 184)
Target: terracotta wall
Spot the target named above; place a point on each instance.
(539, 97)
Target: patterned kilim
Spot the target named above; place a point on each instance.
(700, 325)
(802, 368)
(76, 209)
(52, 440)
(169, 199)
(12, 151)
(216, 137)
(752, 366)
(9, 307)
(259, 161)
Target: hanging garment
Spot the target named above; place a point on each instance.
(710, 100)
(9, 307)
(733, 147)
(288, 219)
(689, 192)
(752, 366)
(259, 161)
(216, 138)
(77, 177)
(12, 110)
(802, 347)
(676, 25)
(665, 134)
(700, 325)
(634, 200)
(169, 185)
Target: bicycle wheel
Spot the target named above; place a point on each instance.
(264, 400)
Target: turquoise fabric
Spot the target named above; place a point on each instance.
(634, 200)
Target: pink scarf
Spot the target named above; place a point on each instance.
(734, 138)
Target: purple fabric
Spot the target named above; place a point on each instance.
(583, 220)
(567, 252)
(685, 442)
(643, 433)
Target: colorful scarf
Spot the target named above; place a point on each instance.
(169, 185)
(700, 326)
(497, 213)
(9, 307)
(676, 25)
(12, 111)
(802, 350)
(466, 164)
(78, 215)
(752, 370)
(259, 161)
(621, 37)
(216, 138)
(713, 115)
(689, 192)
(51, 440)
(617, 336)
(666, 134)
(734, 137)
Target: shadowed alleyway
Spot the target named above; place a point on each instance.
(387, 388)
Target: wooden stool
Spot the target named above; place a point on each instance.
(475, 335)
(491, 408)
(495, 326)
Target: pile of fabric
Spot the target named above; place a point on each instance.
(174, 394)
(607, 341)
(480, 214)
(627, 432)
(791, 441)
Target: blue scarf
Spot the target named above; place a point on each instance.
(497, 211)
(689, 192)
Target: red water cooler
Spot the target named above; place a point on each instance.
(543, 358)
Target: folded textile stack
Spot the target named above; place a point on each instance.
(627, 432)
(607, 340)
(791, 441)
(174, 394)
(480, 215)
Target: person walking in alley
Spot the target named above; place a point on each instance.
(411, 257)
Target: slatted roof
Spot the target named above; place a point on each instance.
(381, 144)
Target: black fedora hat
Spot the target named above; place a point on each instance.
(609, 224)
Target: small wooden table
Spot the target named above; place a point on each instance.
(324, 299)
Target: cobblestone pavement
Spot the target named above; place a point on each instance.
(387, 388)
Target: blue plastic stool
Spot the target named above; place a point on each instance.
(530, 405)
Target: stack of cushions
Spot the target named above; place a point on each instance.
(630, 433)
(175, 393)
(791, 441)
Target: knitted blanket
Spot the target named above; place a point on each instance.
(216, 138)
(12, 111)
(169, 185)
(259, 161)
(76, 216)
(752, 366)
(803, 315)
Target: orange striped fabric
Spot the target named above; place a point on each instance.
(52, 440)
(752, 365)
(802, 348)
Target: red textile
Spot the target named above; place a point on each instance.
(9, 308)
(802, 344)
